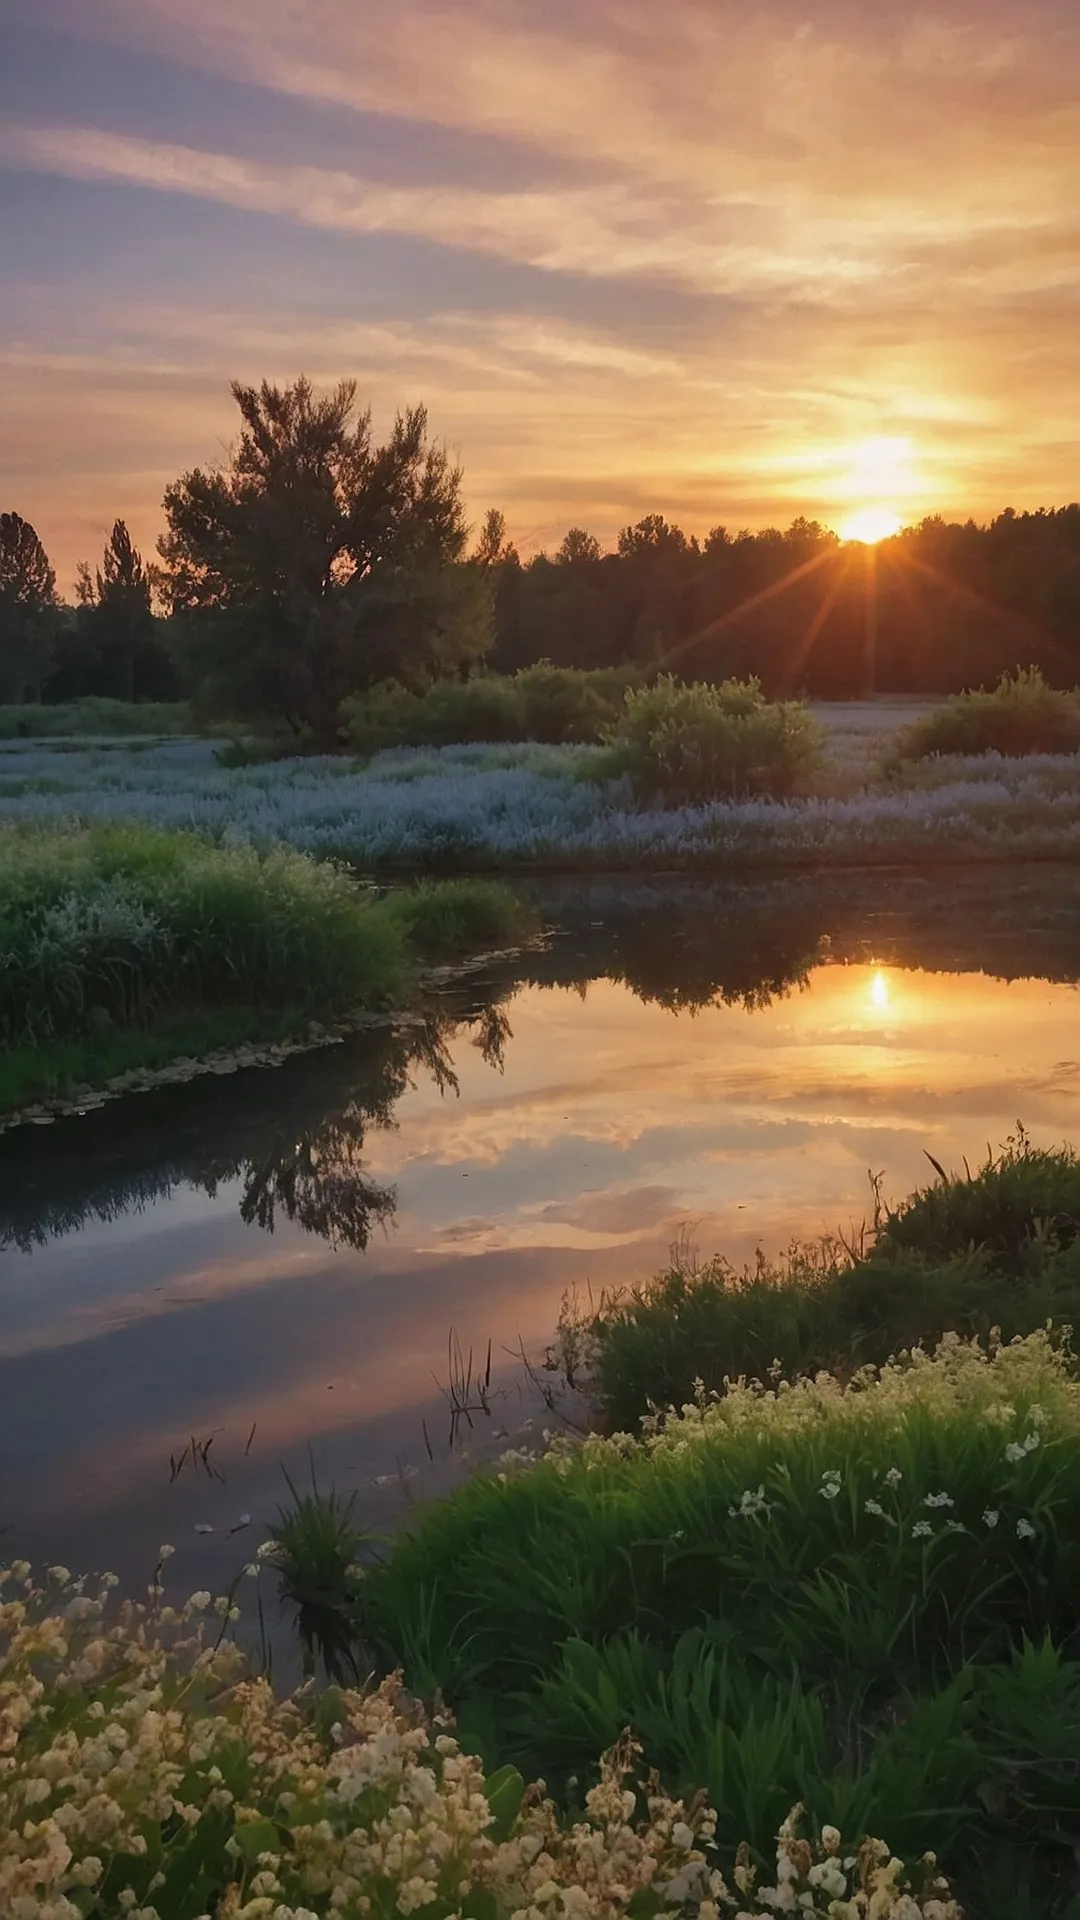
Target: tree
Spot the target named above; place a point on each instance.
(653, 537)
(28, 610)
(316, 562)
(578, 549)
(493, 549)
(116, 648)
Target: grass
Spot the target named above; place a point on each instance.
(94, 715)
(962, 1255)
(1021, 715)
(113, 931)
(852, 1585)
(865, 1597)
(32, 1074)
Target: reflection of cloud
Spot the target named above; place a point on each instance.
(631, 1212)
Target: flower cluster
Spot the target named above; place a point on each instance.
(144, 1771)
(491, 805)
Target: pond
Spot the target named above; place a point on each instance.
(275, 1262)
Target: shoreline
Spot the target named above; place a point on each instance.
(311, 1036)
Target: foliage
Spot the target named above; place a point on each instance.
(146, 1774)
(1021, 715)
(996, 1250)
(849, 1586)
(952, 605)
(555, 705)
(93, 714)
(447, 917)
(318, 563)
(124, 926)
(113, 647)
(28, 610)
(686, 744)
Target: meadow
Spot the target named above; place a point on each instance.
(529, 805)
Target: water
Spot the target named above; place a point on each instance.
(278, 1259)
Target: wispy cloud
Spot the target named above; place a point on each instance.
(725, 243)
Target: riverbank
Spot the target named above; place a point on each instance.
(133, 954)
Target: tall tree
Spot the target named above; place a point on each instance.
(317, 562)
(28, 610)
(115, 624)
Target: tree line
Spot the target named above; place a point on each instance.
(317, 562)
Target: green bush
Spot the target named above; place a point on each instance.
(552, 705)
(686, 744)
(859, 1594)
(447, 917)
(112, 928)
(95, 715)
(1022, 714)
(997, 1249)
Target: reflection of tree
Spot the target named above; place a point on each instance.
(293, 1139)
(688, 946)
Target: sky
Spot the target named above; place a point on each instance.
(728, 262)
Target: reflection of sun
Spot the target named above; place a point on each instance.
(880, 996)
(869, 525)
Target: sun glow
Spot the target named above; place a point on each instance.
(880, 995)
(868, 525)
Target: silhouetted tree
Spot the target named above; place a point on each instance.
(114, 645)
(28, 610)
(578, 549)
(493, 549)
(317, 562)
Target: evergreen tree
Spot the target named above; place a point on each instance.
(28, 610)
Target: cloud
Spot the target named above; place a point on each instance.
(725, 244)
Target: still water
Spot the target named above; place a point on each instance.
(277, 1259)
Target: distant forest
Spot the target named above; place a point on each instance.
(940, 607)
(320, 564)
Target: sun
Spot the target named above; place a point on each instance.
(868, 525)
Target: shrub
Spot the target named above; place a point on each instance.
(146, 1774)
(94, 714)
(849, 1587)
(1021, 715)
(687, 744)
(552, 705)
(447, 917)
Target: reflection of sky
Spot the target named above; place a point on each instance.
(615, 1128)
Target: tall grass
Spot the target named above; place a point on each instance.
(686, 744)
(1021, 715)
(114, 928)
(861, 1595)
(964, 1255)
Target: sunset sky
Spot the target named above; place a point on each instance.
(728, 262)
